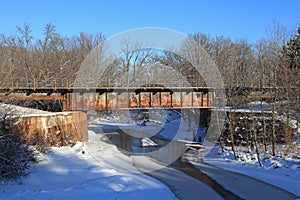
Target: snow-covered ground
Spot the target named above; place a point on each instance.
(281, 172)
(97, 170)
(278, 171)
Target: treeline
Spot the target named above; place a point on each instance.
(270, 62)
(262, 80)
(24, 59)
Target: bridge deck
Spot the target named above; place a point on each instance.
(115, 98)
(65, 90)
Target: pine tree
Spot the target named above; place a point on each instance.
(292, 51)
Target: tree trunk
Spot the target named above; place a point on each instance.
(273, 138)
(256, 149)
(232, 136)
(264, 126)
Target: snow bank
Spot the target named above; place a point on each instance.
(281, 172)
(95, 170)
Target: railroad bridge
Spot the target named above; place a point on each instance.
(126, 98)
(113, 98)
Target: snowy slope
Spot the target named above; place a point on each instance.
(86, 171)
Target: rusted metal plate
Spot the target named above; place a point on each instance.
(141, 100)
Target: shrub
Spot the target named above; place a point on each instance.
(15, 158)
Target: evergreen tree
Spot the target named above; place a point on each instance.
(292, 51)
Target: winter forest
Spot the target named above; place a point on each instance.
(261, 78)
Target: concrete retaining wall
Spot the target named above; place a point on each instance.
(54, 129)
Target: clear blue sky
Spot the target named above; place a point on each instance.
(233, 18)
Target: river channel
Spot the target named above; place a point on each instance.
(189, 179)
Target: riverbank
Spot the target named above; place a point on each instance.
(95, 170)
